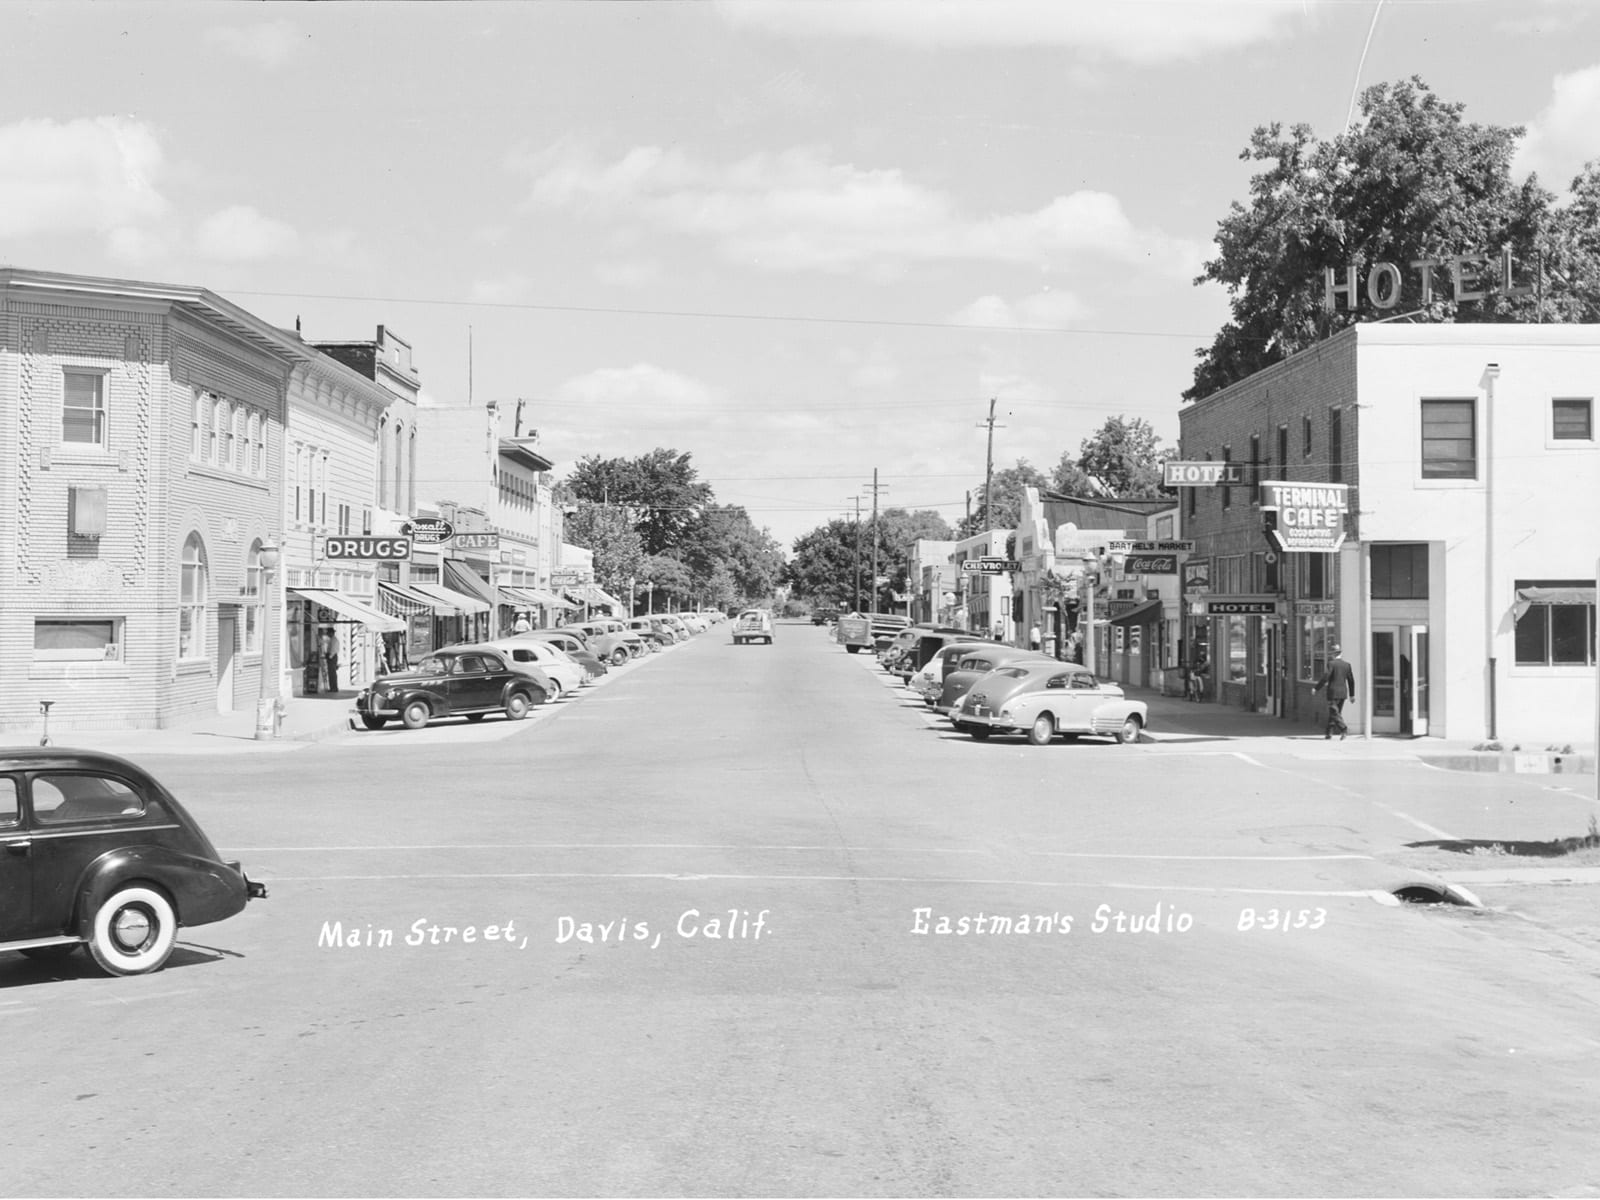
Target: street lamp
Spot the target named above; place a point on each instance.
(268, 705)
(649, 597)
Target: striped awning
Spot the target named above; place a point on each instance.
(453, 601)
(351, 608)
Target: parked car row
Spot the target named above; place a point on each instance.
(514, 674)
(986, 688)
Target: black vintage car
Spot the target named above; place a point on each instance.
(94, 852)
(463, 681)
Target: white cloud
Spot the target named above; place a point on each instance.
(506, 290)
(632, 273)
(1043, 310)
(799, 210)
(241, 234)
(1567, 133)
(1151, 31)
(269, 44)
(93, 174)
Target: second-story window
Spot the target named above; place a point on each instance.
(83, 408)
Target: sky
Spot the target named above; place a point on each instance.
(802, 241)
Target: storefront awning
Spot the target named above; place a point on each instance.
(465, 579)
(601, 596)
(453, 600)
(351, 609)
(411, 600)
(533, 597)
(1552, 595)
(1139, 615)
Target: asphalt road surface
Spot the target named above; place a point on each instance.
(747, 921)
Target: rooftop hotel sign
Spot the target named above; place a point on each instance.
(1310, 515)
(1464, 277)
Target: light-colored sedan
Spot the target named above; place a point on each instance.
(1042, 699)
(555, 662)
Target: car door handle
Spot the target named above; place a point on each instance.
(20, 846)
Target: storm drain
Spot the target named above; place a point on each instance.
(1436, 892)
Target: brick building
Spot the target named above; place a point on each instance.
(1461, 464)
(141, 441)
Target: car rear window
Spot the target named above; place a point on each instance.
(61, 798)
(1013, 672)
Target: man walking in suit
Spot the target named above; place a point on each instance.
(1340, 684)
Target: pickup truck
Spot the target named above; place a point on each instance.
(855, 631)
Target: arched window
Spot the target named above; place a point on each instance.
(400, 504)
(192, 600)
(252, 599)
(385, 469)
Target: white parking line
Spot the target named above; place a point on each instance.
(1204, 857)
(602, 846)
(921, 881)
(130, 999)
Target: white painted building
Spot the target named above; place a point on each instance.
(1464, 592)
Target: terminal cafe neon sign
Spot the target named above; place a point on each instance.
(1310, 516)
(1469, 277)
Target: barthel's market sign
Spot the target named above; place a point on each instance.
(1310, 515)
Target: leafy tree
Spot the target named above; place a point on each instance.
(1126, 456)
(659, 490)
(824, 563)
(1006, 510)
(1572, 253)
(725, 535)
(1411, 180)
(1070, 479)
(671, 579)
(607, 532)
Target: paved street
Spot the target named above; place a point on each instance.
(749, 920)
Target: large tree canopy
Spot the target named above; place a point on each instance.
(1411, 180)
(1125, 455)
(824, 567)
(659, 490)
(607, 532)
(1006, 507)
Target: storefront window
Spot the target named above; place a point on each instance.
(1316, 635)
(192, 600)
(1238, 649)
(1555, 623)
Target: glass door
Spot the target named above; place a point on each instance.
(1385, 690)
(1414, 682)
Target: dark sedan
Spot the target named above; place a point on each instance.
(94, 852)
(463, 681)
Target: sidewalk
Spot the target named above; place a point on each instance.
(1175, 719)
(307, 719)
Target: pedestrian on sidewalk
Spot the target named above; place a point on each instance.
(1035, 637)
(1197, 678)
(1338, 684)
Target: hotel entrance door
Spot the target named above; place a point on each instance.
(1400, 674)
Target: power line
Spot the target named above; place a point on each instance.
(712, 315)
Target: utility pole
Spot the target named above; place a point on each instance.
(876, 488)
(988, 467)
(855, 596)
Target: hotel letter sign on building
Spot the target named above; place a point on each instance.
(1310, 515)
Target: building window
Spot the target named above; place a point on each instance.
(1572, 419)
(1317, 637)
(83, 408)
(258, 445)
(1449, 439)
(1236, 649)
(1283, 452)
(1336, 445)
(74, 640)
(253, 599)
(86, 521)
(1255, 468)
(1400, 571)
(1555, 623)
(1318, 578)
(322, 491)
(197, 425)
(344, 520)
(1227, 492)
(1305, 437)
(214, 436)
(192, 600)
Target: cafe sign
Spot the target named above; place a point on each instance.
(1310, 516)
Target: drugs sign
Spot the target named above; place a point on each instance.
(1310, 516)
(383, 548)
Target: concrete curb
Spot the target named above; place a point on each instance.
(1522, 764)
(1528, 875)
